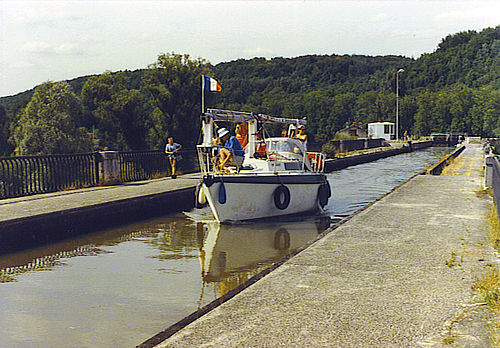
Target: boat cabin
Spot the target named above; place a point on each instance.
(269, 155)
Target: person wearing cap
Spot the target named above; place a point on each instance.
(302, 136)
(232, 153)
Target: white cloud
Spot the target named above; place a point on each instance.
(257, 52)
(21, 64)
(69, 38)
(470, 16)
(69, 49)
(37, 47)
(39, 12)
(379, 17)
(64, 49)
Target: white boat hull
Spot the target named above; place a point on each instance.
(249, 201)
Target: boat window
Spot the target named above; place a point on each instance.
(284, 146)
(292, 166)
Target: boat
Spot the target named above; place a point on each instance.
(278, 175)
(231, 250)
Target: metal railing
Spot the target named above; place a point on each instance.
(27, 175)
(142, 165)
(495, 182)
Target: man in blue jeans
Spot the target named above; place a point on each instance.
(232, 153)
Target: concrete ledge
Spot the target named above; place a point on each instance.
(27, 232)
(417, 145)
(437, 168)
(341, 163)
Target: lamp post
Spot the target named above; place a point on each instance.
(397, 103)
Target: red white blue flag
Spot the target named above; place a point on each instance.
(210, 84)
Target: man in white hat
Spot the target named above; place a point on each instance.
(232, 153)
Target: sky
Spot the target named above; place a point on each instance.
(58, 40)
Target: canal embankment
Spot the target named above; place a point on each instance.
(129, 282)
(373, 154)
(34, 220)
(397, 273)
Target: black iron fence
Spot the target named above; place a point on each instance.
(28, 175)
(144, 165)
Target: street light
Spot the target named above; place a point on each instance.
(397, 102)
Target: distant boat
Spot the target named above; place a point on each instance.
(278, 176)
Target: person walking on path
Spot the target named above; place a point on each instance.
(171, 150)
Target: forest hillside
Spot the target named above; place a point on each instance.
(456, 88)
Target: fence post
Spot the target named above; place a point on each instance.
(488, 171)
(108, 168)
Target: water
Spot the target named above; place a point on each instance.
(121, 286)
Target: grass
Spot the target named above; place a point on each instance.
(450, 337)
(488, 286)
(484, 191)
(494, 227)
(451, 262)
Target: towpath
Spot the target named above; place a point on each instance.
(397, 274)
(30, 206)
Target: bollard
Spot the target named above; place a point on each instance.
(108, 168)
(488, 171)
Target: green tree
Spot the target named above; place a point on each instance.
(118, 112)
(487, 109)
(173, 89)
(47, 124)
(5, 146)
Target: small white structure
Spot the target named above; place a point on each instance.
(383, 130)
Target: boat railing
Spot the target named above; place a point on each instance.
(207, 157)
(241, 116)
(317, 161)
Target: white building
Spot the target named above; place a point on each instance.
(381, 130)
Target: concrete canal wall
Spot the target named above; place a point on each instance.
(30, 221)
(438, 167)
(341, 163)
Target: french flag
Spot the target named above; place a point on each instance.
(210, 84)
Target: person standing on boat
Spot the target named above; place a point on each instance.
(232, 153)
(171, 150)
(302, 136)
(242, 134)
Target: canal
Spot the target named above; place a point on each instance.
(120, 286)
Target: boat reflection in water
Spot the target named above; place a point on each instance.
(231, 254)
